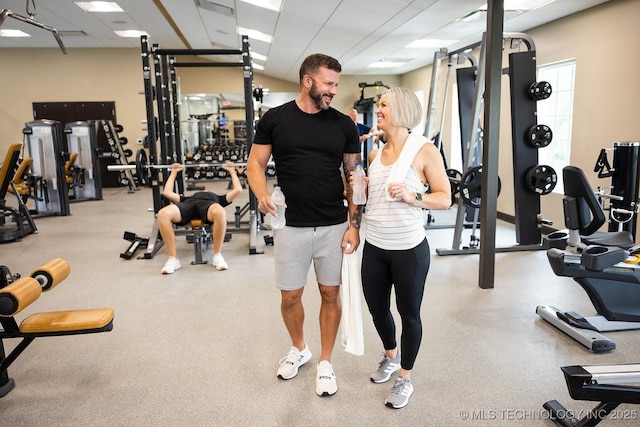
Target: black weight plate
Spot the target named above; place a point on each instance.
(540, 90)
(142, 171)
(541, 179)
(455, 177)
(539, 136)
(471, 186)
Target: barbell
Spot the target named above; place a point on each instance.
(143, 168)
(142, 164)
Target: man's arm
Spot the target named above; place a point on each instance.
(169, 185)
(351, 238)
(236, 188)
(256, 167)
(349, 161)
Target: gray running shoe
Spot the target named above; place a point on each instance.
(400, 393)
(386, 368)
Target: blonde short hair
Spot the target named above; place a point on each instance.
(406, 109)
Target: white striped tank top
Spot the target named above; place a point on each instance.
(394, 225)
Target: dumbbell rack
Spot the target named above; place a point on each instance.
(117, 153)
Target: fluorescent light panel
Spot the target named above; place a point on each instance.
(274, 5)
(99, 6)
(258, 56)
(385, 64)
(430, 43)
(256, 35)
(131, 33)
(13, 33)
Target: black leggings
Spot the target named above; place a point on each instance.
(407, 271)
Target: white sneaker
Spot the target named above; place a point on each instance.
(171, 265)
(326, 380)
(219, 263)
(292, 361)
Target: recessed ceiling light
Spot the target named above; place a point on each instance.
(385, 64)
(256, 35)
(131, 33)
(257, 66)
(13, 33)
(258, 56)
(426, 43)
(99, 6)
(267, 4)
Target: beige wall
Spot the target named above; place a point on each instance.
(607, 97)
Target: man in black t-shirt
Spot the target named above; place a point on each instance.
(310, 143)
(203, 205)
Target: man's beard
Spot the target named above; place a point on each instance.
(316, 96)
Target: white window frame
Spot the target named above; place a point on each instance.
(557, 113)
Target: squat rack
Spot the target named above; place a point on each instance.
(162, 119)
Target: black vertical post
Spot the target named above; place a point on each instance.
(247, 71)
(174, 119)
(522, 73)
(152, 122)
(466, 78)
(489, 206)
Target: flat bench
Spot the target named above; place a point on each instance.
(21, 293)
(611, 385)
(200, 236)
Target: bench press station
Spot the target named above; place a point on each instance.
(22, 292)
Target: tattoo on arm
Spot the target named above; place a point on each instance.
(357, 217)
(349, 161)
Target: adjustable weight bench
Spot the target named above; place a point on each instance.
(607, 384)
(22, 292)
(596, 260)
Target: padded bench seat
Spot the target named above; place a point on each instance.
(20, 294)
(70, 322)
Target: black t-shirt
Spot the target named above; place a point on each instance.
(307, 150)
(206, 195)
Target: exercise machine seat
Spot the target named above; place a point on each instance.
(8, 168)
(14, 223)
(583, 212)
(19, 182)
(69, 166)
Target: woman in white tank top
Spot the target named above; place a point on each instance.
(396, 253)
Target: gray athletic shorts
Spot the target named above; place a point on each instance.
(296, 247)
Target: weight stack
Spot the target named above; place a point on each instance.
(82, 139)
(522, 73)
(624, 183)
(46, 143)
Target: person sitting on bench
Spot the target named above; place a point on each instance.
(203, 205)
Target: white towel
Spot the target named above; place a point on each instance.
(352, 337)
(399, 170)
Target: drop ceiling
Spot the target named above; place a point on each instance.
(357, 32)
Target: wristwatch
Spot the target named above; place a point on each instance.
(418, 201)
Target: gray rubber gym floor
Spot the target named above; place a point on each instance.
(201, 347)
